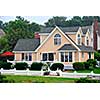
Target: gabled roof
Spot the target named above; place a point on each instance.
(27, 45)
(86, 48)
(46, 29)
(66, 36)
(85, 28)
(2, 32)
(67, 47)
(64, 29)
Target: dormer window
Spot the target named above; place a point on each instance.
(57, 39)
(79, 39)
(87, 41)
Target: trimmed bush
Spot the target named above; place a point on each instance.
(46, 73)
(57, 65)
(36, 66)
(21, 66)
(5, 65)
(92, 62)
(87, 65)
(78, 66)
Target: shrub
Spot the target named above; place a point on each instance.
(86, 80)
(36, 66)
(21, 66)
(78, 66)
(86, 65)
(92, 62)
(57, 65)
(97, 56)
(5, 65)
(46, 73)
(96, 70)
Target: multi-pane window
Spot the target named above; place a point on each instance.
(57, 39)
(79, 39)
(87, 41)
(66, 56)
(26, 56)
(47, 56)
(89, 55)
(82, 54)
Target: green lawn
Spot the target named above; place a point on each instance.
(96, 70)
(84, 71)
(39, 79)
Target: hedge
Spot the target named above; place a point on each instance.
(57, 65)
(36, 66)
(5, 65)
(21, 66)
(87, 65)
(92, 62)
(78, 66)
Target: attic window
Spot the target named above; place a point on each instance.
(87, 41)
(57, 39)
(79, 39)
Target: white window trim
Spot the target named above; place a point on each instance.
(58, 39)
(82, 54)
(68, 56)
(25, 57)
(47, 55)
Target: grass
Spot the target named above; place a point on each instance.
(84, 71)
(39, 79)
(96, 70)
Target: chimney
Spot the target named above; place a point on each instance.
(95, 32)
(37, 36)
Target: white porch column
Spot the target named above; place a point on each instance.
(79, 56)
(36, 56)
(20, 56)
(15, 57)
(59, 57)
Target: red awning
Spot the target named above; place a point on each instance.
(7, 54)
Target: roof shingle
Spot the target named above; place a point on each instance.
(64, 29)
(67, 47)
(86, 48)
(27, 44)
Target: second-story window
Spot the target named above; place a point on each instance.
(57, 39)
(87, 41)
(79, 39)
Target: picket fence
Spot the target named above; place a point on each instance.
(40, 73)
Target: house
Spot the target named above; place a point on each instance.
(66, 45)
(98, 38)
(2, 33)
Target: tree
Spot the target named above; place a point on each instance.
(97, 56)
(57, 20)
(19, 29)
(1, 24)
(75, 21)
(3, 44)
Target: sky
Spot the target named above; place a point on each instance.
(38, 19)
